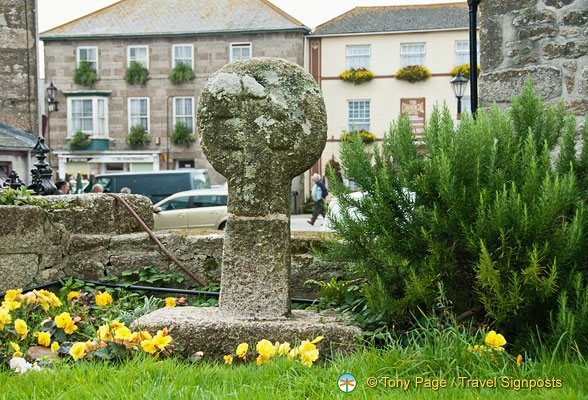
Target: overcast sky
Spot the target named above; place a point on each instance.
(310, 12)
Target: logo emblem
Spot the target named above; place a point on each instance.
(346, 383)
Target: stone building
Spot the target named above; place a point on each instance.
(158, 34)
(545, 39)
(383, 40)
(18, 65)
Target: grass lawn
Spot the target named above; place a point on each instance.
(145, 378)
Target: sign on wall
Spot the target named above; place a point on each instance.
(415, 108)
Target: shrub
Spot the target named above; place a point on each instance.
(357, 76)
(413, 73)
(181, 135)
(136, 73)
(79, 141)
(464, 69)
(84, 75)
(482, 211)
(138, 136)
(181, 73)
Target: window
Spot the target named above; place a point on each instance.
(462, 52)
(184, 111)
(184, 164)
(183, 53)
(240, 51)
(87, 114)
(89, 54)
(412, 54)
(139, 54)
(358, 115)
(179, 203)
(209, 201)
(358, 56)
(139, 112)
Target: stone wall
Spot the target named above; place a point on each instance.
(84, 243)
(546, 39)
(18, 64)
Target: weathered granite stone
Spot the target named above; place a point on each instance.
(533, 17)
(558, 3)
(570, 65)
(537, 32)
(262, 122)
(524, 60)
(577, 106)
(21, 225)
(216, 334)
(35, 353)
(583, 84)
(576, 18)
(572, 49)
(506, 6)
(500, 86)
(571, 33)
(491, 52)
(569, 81)
(20, 269)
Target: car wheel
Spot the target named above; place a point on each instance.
(222, 226)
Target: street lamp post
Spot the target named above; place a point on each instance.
(458, 84)
(52, 106)
(473, 5)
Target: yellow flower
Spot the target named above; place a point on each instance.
(318, 338)
(11, 295)
(519, 360)
(170, 302)
(293, 353)
(70, 328)
(62, 320)
(242, 349)
(148, 346)
(122, 333)
(116, 324)
(5, 317)
(10, 305)
(72, 295)
(21, 327)
(103, 299)
(43, 338)
(495, 340)
(77, 350)
(284, 348)
(15, 346)
(266, 348)
(103, 333)
(262, 359)
(228, 359)
(29, 298)
(309, 357)
(306, 346)
(54, 347)
(161, 341)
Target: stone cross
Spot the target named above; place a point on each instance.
(262, 122)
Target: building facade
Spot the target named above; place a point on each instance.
(384, 40)
(203, 35)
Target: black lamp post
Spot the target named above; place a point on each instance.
(473, 4)
(458, 84)
(51, 106)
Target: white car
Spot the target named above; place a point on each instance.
(201, 208)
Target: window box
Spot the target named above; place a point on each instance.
(357, 76)
(413, 73)
(95, 145)
(464, 69)
(366, 137)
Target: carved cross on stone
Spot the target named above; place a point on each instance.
(262, 122)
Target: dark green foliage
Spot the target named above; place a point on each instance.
(181, 135)
(138, 136)
(79, 141)
(84, 75)
(136, 73)
(181, 73)
(490, 217)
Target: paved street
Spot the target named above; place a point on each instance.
(298, 223)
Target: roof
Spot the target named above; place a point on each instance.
(430, 17)
(176, 17)
(12, 138)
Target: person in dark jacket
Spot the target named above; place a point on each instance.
(319, 192)
(62, 187)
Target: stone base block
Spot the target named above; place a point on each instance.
(216, 334)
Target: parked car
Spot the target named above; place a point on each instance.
(204, 208)
(157, 185)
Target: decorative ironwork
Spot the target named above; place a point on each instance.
(41, 183)
(13, 181)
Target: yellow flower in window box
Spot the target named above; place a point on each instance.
(357, 75)
(366, 137)
(464, 69)
(413, 73)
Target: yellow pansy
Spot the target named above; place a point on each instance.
(284, 348)
(262, 359)
(306, 346)
(62, 320)
(11, 295)
(161, 341)
(5, 317)
(242, 349)
(72, 295)
(20, 327)
(228, 359)
(293, 353)
(54, 347)
(266, 348)
(77, 351)
(309, 357)
(519, 360)
(10, 305)
(148, 346)
(317, 339)
(170, 302)
(122, 333)
(16, 348)
(103, 333)
(495, 339)
(103, 299)
(43, 338)
(70, 328)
